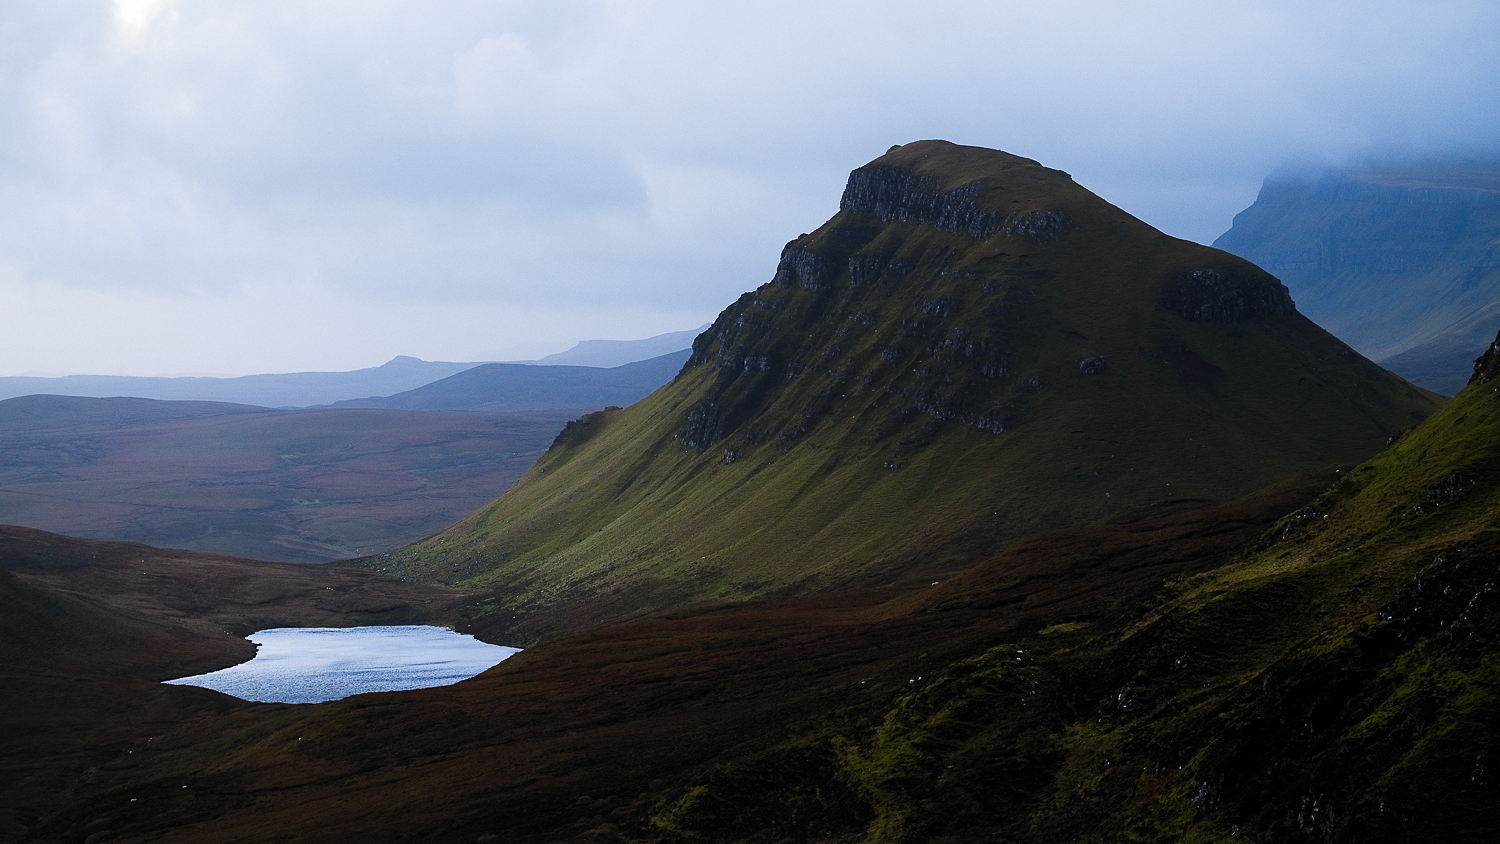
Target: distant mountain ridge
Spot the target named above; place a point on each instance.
(973, 349)
(320, 389)
(509, 387)
(1402, 261)
(291, 389)
(612, 353)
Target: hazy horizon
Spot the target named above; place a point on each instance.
(237, 188)
(524, 353)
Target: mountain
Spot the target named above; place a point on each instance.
(293, 389)
(972, 350)
(509, 387)
(294, 485)
(610, 353)
(1400, 261)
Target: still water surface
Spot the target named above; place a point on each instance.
(314, 664)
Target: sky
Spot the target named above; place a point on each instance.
(230, 187)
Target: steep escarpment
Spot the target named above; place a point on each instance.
(973, 349)
(1400, 261)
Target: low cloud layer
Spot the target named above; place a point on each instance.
(228, 186)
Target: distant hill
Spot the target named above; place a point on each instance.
(1401, 261)
(292, 485)
(292, 389)
(975, 348)
(609, 353)
(509, 387)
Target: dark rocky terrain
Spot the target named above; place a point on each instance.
(1400, 261)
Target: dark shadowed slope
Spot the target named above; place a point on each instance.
(89, 629)
(1402, 262)
(973, 349)
(633, 718)
(498, 387)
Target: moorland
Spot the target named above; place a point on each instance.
(290, 485)
(295, 484)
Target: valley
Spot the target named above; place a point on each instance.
(301, 485)
(294, 485)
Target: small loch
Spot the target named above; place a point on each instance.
(316, 664)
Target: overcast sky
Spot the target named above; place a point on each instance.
(241, 186)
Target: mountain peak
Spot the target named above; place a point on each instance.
(402, 362)
(974, 348)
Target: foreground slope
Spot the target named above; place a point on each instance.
(973, 349)
(88, 629)
(1401, 261)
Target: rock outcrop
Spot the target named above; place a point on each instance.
(1227, 297)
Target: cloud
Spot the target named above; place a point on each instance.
(582, 157)
(134, 17)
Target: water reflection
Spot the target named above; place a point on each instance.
(314, 664)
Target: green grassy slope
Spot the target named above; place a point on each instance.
(974, 349)
(1340, 681)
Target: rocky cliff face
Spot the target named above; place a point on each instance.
(899, 195)
(1487, 366)
(942, 344)
(1403, 263)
